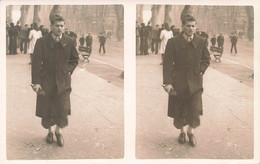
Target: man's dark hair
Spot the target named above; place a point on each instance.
(188, 18)
(55, 18)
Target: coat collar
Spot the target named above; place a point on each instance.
(184, 43)
(64, 40)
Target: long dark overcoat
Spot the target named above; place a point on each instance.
(52, 66)
(183, 67)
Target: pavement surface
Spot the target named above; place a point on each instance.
(96, 125)
(227, 124)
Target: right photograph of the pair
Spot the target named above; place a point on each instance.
(195, 82)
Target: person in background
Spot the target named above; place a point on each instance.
(89, 40)
(155, 39)
(137, 31)
(13, 33)
(220, 40)
(213, 40)
(55, 58)
(165, 35)
(44, 30)
(172, 28)
(18, 29)
(24, 39)
(34, 34)
(144, 40)
(234, 42)
(102, 42)
(149, 39)
(82, 40)
(7, 37)
(176, 32)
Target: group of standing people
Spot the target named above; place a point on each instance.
(23, 37)
(148, 37)
(220, 41)
(89, 41)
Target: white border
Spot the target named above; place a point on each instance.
(130, 78)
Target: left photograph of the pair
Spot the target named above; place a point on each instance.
(64, 82)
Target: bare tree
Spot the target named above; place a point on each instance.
(188, 10)
(83, 19)
(250, 22)
(139, 13)
(56, 10)
(24, 13)
(119, 11)
(232, 15)
(167, 15)
(155, 14)
(36, 17)
(9, 13)
(100, 17)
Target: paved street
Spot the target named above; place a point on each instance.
(226, 130)
(96, 126)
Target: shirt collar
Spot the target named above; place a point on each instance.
(55, 37)
(188, 38)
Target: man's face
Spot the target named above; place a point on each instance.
(189, 28)
(58, 27)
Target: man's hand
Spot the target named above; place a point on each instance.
(168, 88)
(37, 88)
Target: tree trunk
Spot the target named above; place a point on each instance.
(100, 18)
(119, 11)
(167, 14)
(188, 10)
(24, 13)
(56, 10)
(250, 22)
(9, 14)
(139, 13)
(155, 14)
(36, 18)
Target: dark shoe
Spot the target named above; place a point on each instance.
(182, 138)
(49, 138)
(192, 139)
(60, 140)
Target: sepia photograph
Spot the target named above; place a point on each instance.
(194, 82)
(129, 82)
(64, 82)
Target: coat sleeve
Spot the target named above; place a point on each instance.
(73, 60)
(168, 62)
(37, 62)
(205, 59)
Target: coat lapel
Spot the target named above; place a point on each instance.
(51, 41)
(64, 40)
(182, 41)
(195, 40)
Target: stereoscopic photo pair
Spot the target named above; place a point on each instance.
(194, 81)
